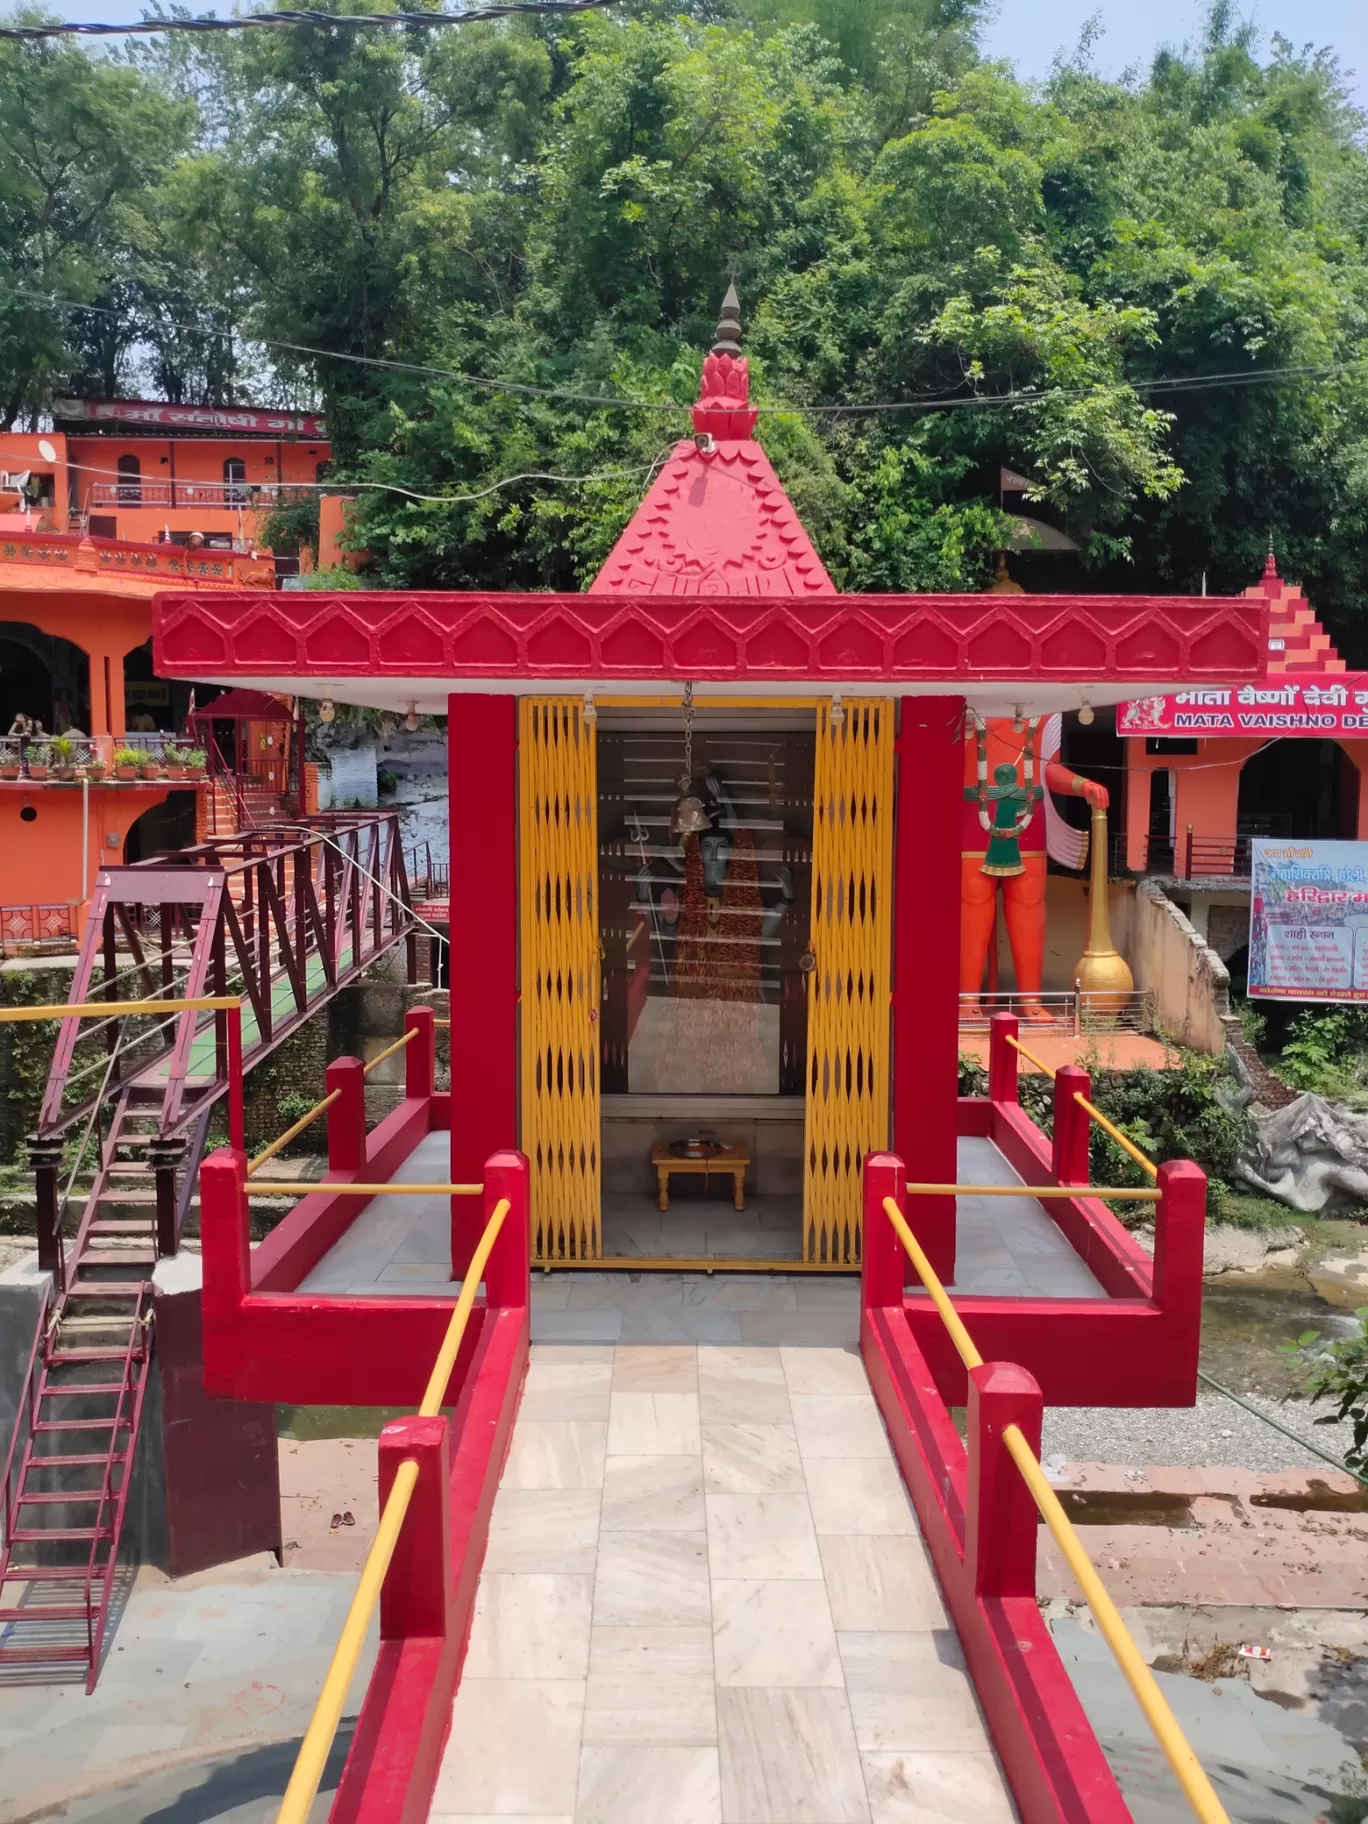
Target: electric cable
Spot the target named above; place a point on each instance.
(931, 402)
(1326, 1456)
(507, 9)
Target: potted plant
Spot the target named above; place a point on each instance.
(95, 767)
(126, 762)
(195, 759)
(174, 761)
(149, 766)
(37, 759)
(63, 751)
(9, 764)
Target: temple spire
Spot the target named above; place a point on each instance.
(729, 325)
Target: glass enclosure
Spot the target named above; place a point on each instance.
(705, 933)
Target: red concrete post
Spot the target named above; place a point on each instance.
(420, 1054)
(1002, 1058)
(929, 768)
(347, 1116)
(883, 1259)
(1072, 1126)
(1001, 1530)
(1179, 1234)
(226, 1264)
(416, 1594)
(482, 760)
(508, 1274)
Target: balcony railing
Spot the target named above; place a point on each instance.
(1075, 1011)
(216, 494)
(91, 757)
(1186, 856)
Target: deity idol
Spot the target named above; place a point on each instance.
(1009, 827)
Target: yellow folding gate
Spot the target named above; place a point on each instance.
(558, 831)
(848, 989)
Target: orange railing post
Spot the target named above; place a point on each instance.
(1002, 1059)
(1072, 1129)
(1000, 1512)
(883, 1263)
(347, 1116)
(420, 1055)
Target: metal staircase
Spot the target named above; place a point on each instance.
(70, 1464)
(285, 918)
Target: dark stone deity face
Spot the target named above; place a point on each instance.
(715, 850)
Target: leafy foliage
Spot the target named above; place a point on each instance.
(1327, 1051)
(1169, 274)
(1338, 1371)
(1178, 1113)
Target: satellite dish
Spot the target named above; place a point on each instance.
(46, 451)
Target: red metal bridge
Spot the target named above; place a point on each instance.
(194, 967)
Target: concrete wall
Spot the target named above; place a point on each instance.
(1189, 982)
(1066, 930)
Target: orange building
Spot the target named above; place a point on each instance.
(148, 472)
(1209, 769)
(75, 628)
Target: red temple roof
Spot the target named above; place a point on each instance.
(717, 520)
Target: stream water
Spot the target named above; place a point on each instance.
(1248, 1318)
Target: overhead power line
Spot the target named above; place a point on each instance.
(929, 402)
(334, 21)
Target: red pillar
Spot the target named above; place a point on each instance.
(926, 941)
(883, 1259)
(1072, 1140)
(1000, 1511)
(415, 1596)
(482, 753)
(347, 1116)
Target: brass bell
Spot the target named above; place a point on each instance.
(689, 816)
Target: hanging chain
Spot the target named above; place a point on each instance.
(687, 780)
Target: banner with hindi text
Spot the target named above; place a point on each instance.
(1308, 920)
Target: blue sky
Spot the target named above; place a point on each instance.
(1030, 32)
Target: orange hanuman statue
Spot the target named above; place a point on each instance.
(1010, 825)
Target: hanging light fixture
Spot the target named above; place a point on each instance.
(590, 711)
(326, 712)
(411, 719)
(689, 816)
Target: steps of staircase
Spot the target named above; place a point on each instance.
(52, 1573)
(110, 1424)
(43, 1535)
(107, 1288)
(55, 1611)
(120, 1225)
(64, 1497)
(74, 1391)
(14, 1656)
(60, 1358)
(84, 1461)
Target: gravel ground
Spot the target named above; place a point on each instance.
(1215, 1431)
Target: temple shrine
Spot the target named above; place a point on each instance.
(715, 829)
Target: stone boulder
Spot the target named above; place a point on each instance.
(1311, 1155)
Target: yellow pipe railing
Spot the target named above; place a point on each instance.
(318, 1738)
(389, 1051)
(1127, 1193)
(283, 1140)
(1029, 1056)
(200, 1003)
(1177, 1750)
(306, 1188)
(1127, 1145)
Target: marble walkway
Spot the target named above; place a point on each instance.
(706, 1601)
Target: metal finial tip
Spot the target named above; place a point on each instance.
(729, 325)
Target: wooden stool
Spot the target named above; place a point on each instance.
(729, 1160)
